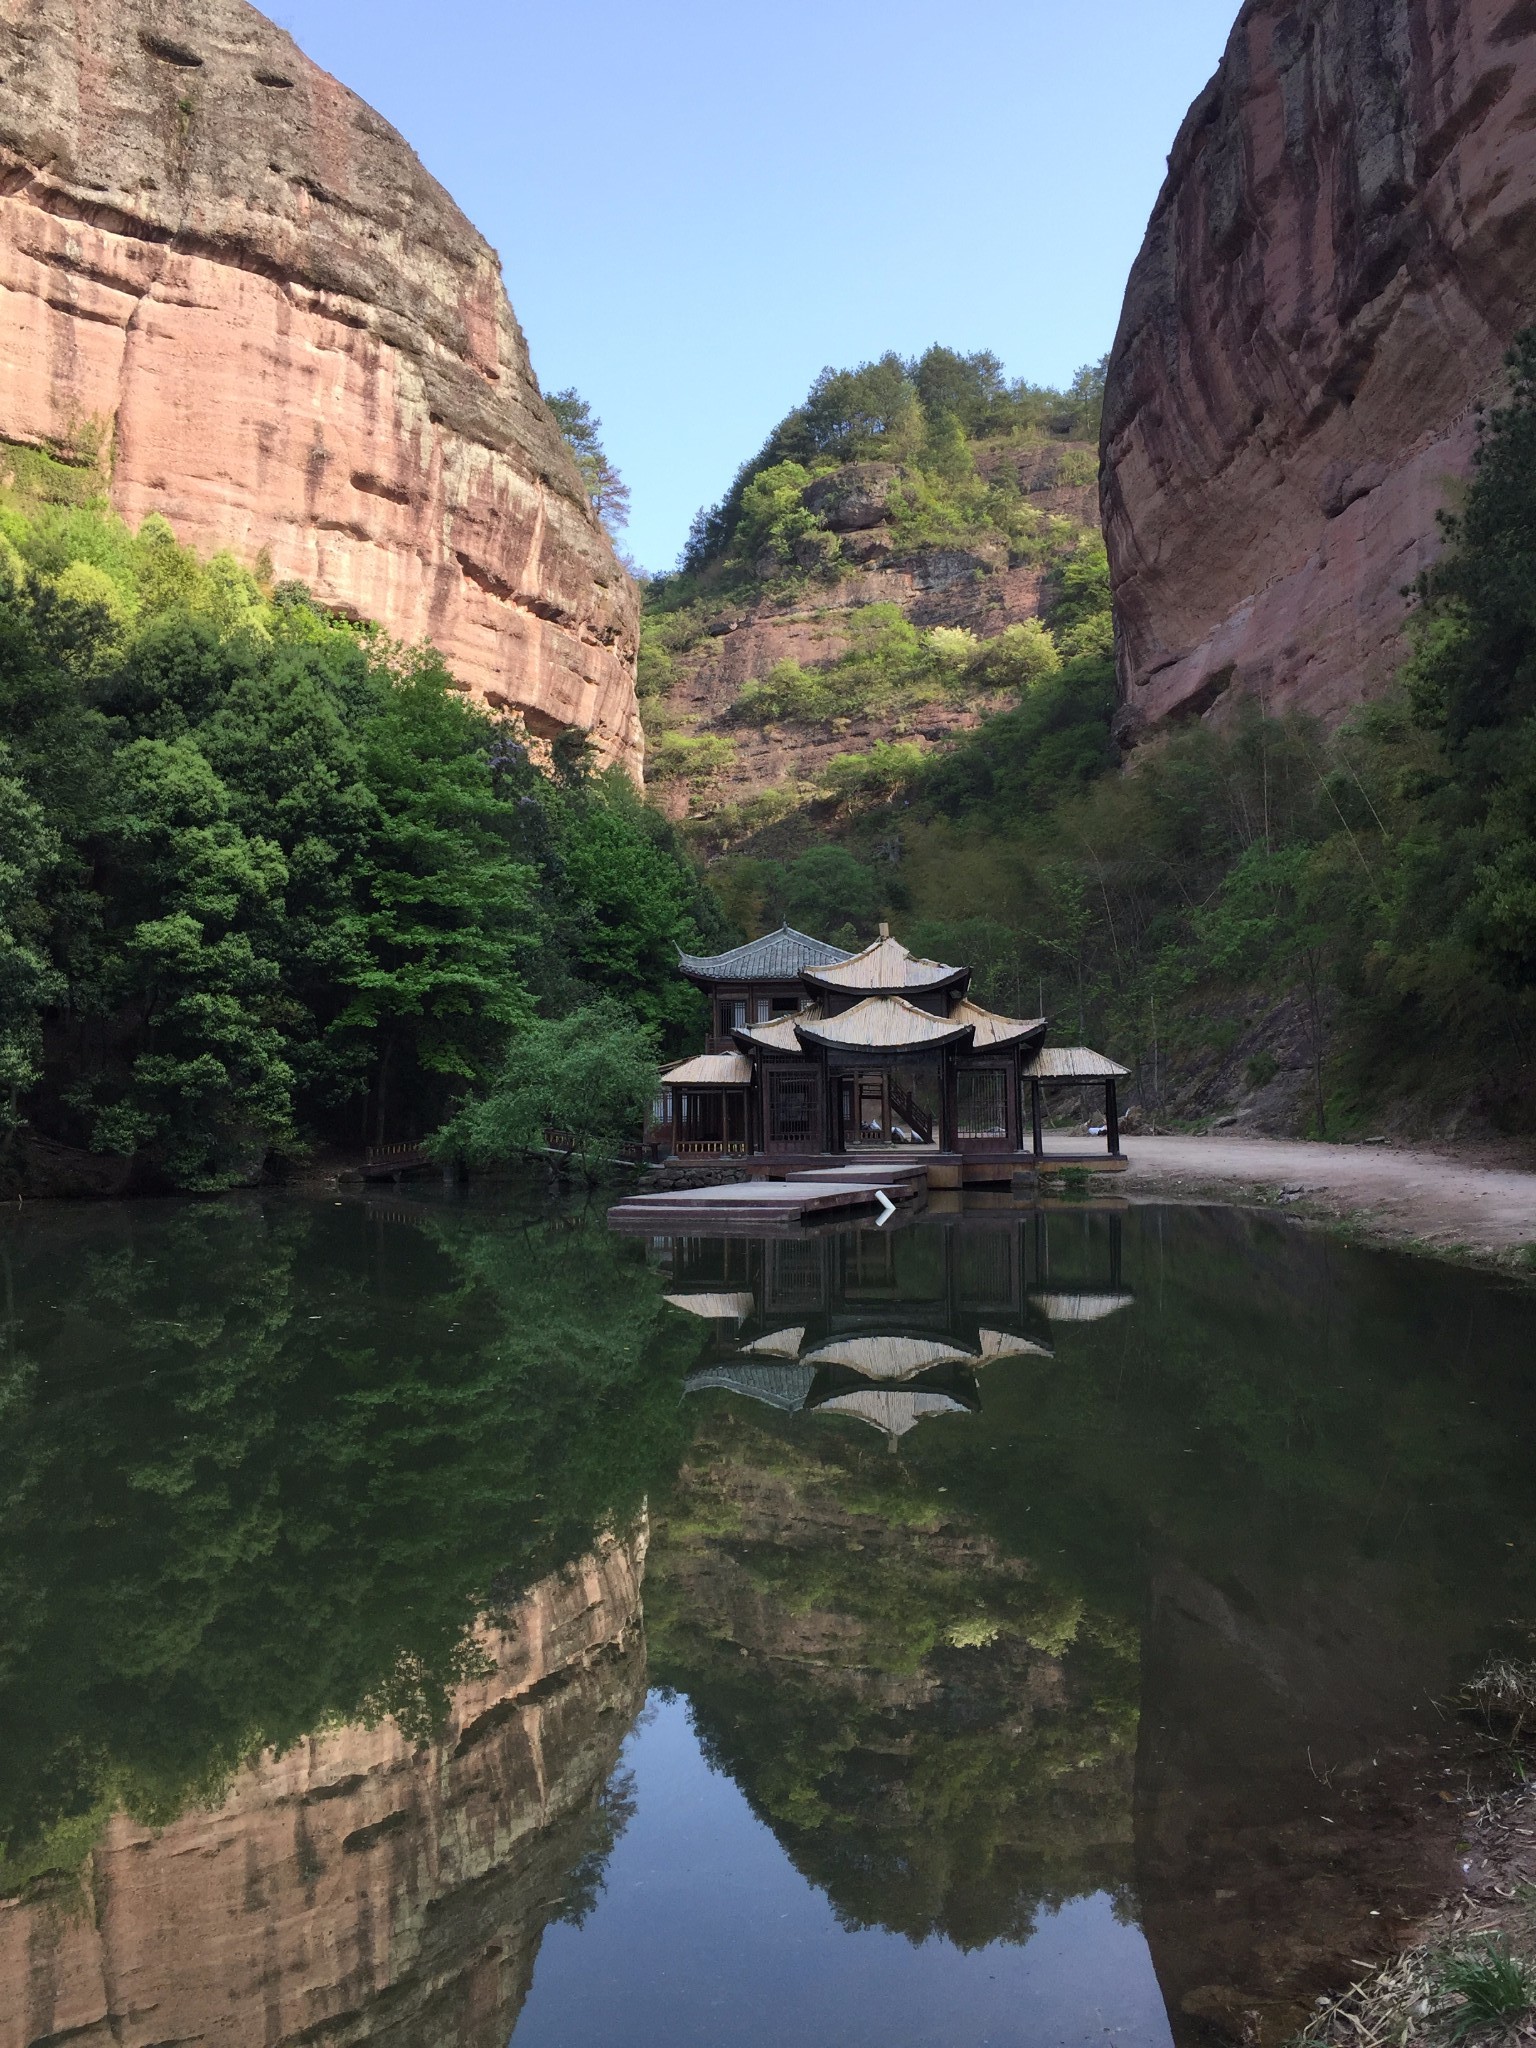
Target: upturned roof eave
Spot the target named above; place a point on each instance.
(964, 1034)
(953, 977)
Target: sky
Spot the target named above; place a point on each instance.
(700, 203)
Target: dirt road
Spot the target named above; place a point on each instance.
(1451, 1200)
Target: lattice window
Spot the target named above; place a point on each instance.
(791, 1107)
(982, 1102)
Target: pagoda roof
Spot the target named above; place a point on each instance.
(778, 1386)
(1006, 1344)
(783, 955)
(715, 1308)
(1073, 1063)
(883, 968)
(710, 1070)
(993, 1032)
(893, 1410)
(880, 1024)
(1081, 1308)
(888, 1358)
(777, 1344)
(778, 1034)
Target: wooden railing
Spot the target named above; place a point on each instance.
(709, 1145)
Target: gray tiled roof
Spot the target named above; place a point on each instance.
(777, 956)
(779, 1386)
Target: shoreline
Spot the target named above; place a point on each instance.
(1471, 1205)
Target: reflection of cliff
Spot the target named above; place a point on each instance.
(357, 1888)
(939, 1738)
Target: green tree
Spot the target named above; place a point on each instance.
(827, 888)
(582, 1084)
(582, 431)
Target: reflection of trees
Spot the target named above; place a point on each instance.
(261, 1466)
(941, 1739)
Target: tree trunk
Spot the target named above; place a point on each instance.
(381, 1092)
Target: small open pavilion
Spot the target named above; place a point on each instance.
(818, 1056)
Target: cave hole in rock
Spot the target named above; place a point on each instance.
(169, 52)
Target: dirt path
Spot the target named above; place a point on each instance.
(1483, 1206)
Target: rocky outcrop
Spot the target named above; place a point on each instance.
(1343, 249)
(230, 282)
(977, 586)
(359, 1887)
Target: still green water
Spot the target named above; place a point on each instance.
(445, 1622)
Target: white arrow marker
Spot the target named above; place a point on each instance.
(887, 1205)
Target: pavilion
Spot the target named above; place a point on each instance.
(816, 1055)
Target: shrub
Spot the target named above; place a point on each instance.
(692, 757)
(586, 1081)
(887, 767)
(1018, 658)
(787, 694)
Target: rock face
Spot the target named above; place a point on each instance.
(973, 586)
(231, 282)
(1343, 249)
(359, 1888)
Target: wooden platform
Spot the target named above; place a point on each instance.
(757, 1206)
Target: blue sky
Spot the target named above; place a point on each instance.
(699, 205)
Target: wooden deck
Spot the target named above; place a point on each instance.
(794, 1194)
(1063, 1153)
(757, 1206)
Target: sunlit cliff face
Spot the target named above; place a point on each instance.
(1338, 260)
(230, 286)
(360, 1886)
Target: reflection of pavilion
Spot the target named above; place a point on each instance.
(888, 1328)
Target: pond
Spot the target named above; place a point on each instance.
(444, 1622)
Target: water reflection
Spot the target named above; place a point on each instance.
(322, 1534)
(361, 1885)
(888, 1330)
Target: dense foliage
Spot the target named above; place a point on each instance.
(266, 878)
(1247, 898)
(922, 414)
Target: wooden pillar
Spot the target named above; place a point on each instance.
(1112, 1118)
(949, 1108)
(832, 1097)
(1036, 1120)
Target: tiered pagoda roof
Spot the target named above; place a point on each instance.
(883, 1024)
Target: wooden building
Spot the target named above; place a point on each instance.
(817, 1054)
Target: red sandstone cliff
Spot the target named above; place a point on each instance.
(220, 266)
(1344, 246)
(356, 1889)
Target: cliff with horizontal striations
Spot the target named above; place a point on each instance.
(228, 280)
(359, 1887)
(1343, 249)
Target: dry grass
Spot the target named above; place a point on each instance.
(1504, 1695)
(1476, 1990)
